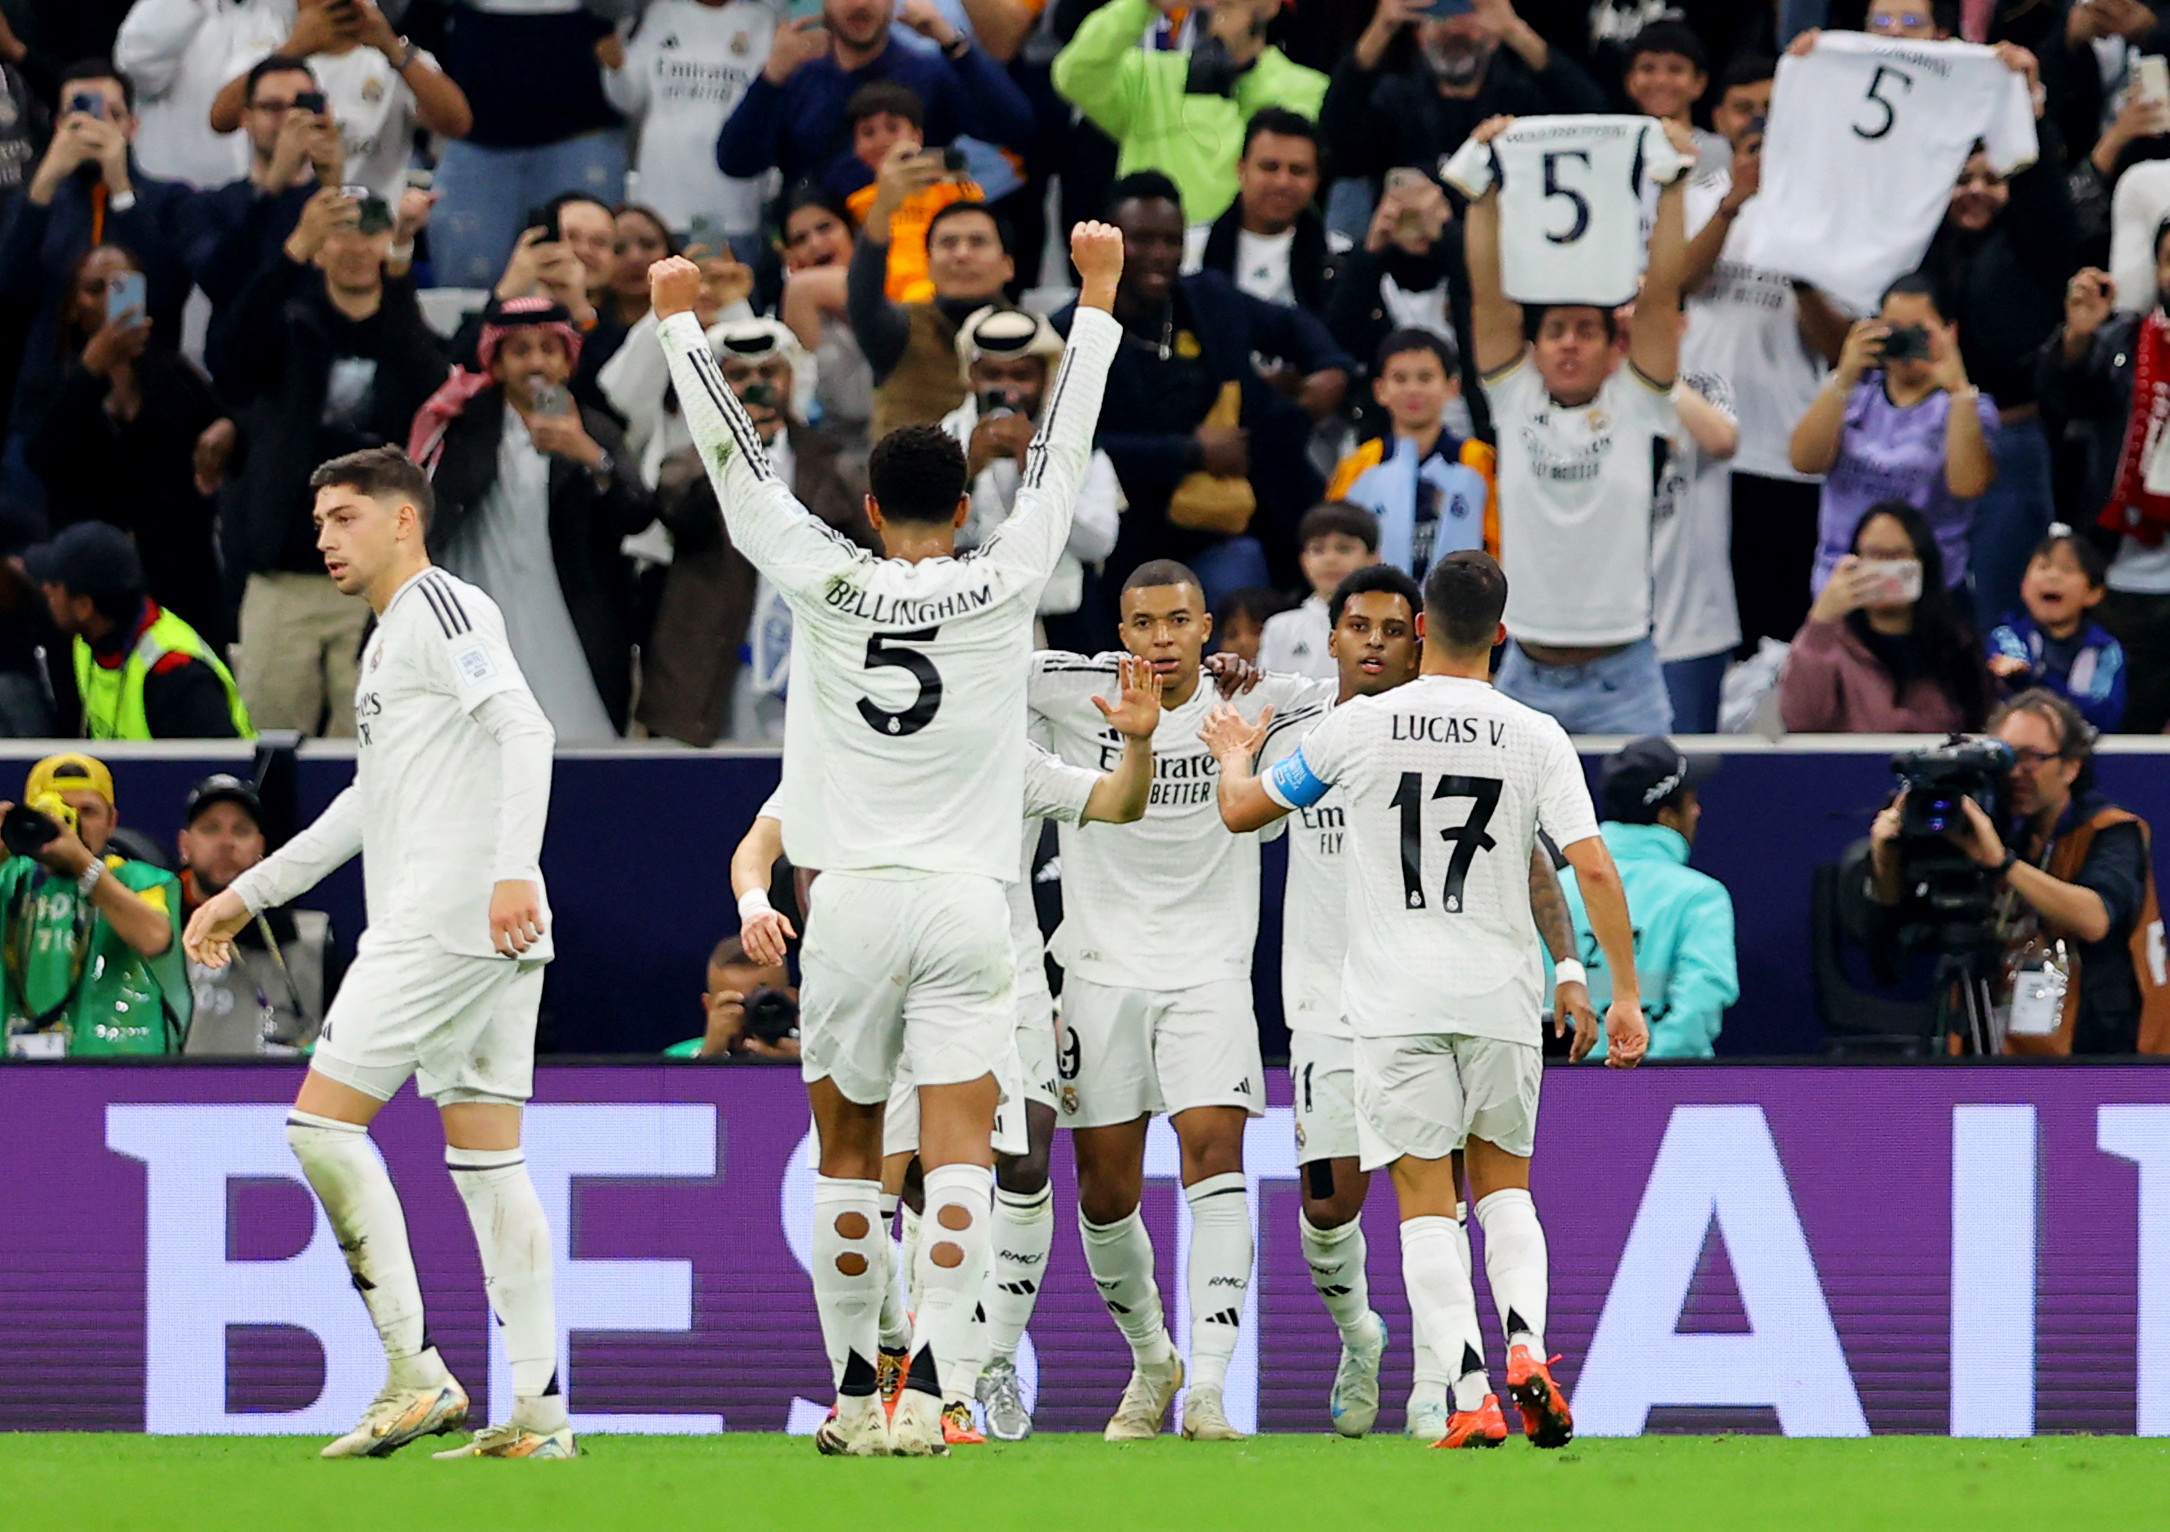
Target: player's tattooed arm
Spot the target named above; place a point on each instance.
(1121, 794)
(1571, 998)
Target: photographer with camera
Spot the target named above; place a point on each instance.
(2074, 900)
(1009, 358)
(751, 1009)
(1897, 419)
(91, 942)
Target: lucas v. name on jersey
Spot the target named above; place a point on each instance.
(1439, 729)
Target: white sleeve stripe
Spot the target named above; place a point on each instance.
(743, 435)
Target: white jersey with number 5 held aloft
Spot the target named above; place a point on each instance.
(1445, 784)
(1570, 202)
(1866, 137)
(906, 710)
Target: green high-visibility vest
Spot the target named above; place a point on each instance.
(113, 698)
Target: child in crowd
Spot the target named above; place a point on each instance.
(1239, 623)
(879, 117)
(1432, 492)
(1337, 540)
(2054, 643)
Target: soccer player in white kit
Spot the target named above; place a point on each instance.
(1159, 919)
(1443, 979)
(904, 783)
(1023, 1220)
(1372, 639)
(451, 788)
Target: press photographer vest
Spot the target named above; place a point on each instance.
(113, 696)
(65, 968)
(2150, 958)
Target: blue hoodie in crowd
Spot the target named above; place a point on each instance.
(2088, 669)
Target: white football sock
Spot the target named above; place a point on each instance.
(1120, 1257)
(954, 1240)
(1336, 1258)
(849, 1276)
(1515, 1264)
(909, 1259)
(1024, 1231)
(1428, 1377)
(1219, 1275)
(349, 1179)
(1443, 1306)
(896, 1316)
(514, 1240)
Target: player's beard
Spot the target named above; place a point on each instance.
(1458, 65)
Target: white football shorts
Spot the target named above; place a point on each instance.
(1127, 1053)
(1322, 1078)
(463, 1026)
(905, 973)
(1424, 1095)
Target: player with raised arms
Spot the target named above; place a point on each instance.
(451, 788)
(1443, 982)
(1372, 639)
(904, 783)
(1025, 1124)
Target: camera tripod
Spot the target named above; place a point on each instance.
(1965, 1005)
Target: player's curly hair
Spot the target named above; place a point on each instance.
(917, 473)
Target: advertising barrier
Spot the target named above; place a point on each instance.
(1814, 1250)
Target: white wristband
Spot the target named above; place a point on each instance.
(755, 901)
(1568, 971)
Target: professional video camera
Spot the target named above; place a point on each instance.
(1949, 894)
(1949, 904)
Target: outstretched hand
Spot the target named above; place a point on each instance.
(1135, 713)
(1226, 733)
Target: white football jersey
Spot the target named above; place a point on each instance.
(905, 714)
(1744, 325)
(1570, 202)
(1443, 784)
(1574, 504)
(1171, 901)
(1866, 137)
(426, 807)
(1314, 904)
(1691, 542)
(1054, 789)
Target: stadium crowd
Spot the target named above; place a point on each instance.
(240, 238)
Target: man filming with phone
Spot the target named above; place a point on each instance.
(87, 191)
(535, 492)
(91, 941)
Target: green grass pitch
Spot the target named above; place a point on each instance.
(108, 1483)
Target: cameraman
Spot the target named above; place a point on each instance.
(734, 981)
(92, 942)
(2076, 871)
(1009, 356)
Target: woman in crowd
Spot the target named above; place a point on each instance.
(1898, 420)
(119, 444)
(818, 236)
(1886, 648)
(641, 241)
